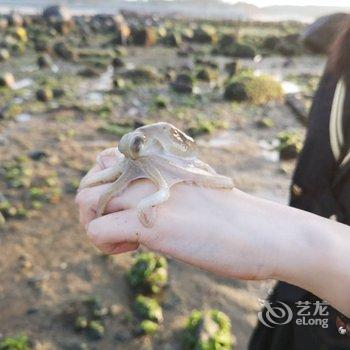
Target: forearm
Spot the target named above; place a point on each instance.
(303, 249)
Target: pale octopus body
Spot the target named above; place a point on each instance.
(159, 152)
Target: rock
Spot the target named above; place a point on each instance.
(57, 13)
(148, 308)
(147, 327)
(37, 154)
(225, 43)
(148, 273)
(119, 83)
(4, 55)
(207, 63)
(44, 61)
(142, 73)
(7, 80)
(235, 91)
(122, 28)
(205, 74)
(118, 62)
(146, 36)
(318, 36)
(271, 42)
(256, 89)
(120, 51)
(290, 145)
(15, 19)
(42, 44)
(235, 50)
(205, 34)
(58, 92)
(243, 51)
(44, 95)
(290, 45)
(297, 104)
(3, 23)
(204, 328)
(265, 123)
(173, 40)
(95, 330)
(63, 51)
(89, 72)
(183, 83)
(231, 67)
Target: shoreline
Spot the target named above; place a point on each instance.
(169, 9)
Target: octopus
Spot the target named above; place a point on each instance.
(161, 153)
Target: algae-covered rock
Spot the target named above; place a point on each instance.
(205, 34)
(15, 19)
(148, 327)
(208, 330)
(225, 44)
(148, 309)
(4, 55)
(242, 51)
(19, 342)
(265, 123)
(149, 272)
(89, 72)
(119, 83)
(44, 94)
(206, 74)
(117, 62)
(232, 67)
(183, 83)
(57, 13)
(290, 145)
(95, 330)
(142, 74)
(64, 51)
(44, 61)
(144, 36)
(255, 89)
(173, 39)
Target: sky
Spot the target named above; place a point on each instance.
(261, 3)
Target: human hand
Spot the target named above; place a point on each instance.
(196, 224)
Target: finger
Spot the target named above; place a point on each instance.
(108, 157)
(88, 198)
(117, 248)
(119, 227)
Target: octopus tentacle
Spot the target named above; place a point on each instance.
(130, 174)
(145, 209)
(100, 177)
(190, 172)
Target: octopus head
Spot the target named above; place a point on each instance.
(156, 138)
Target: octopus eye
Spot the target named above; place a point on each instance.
(137, 144)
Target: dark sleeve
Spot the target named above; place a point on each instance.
(316, 167)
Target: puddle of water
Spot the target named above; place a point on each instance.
(222, 140)
(104, 82)
(23, 117)
(23, 83)
(95, 98)
(269, 150)
(289, 87)
(29, 69)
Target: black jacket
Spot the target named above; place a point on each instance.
(321, 185)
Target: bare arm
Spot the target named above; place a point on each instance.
(229, 233)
